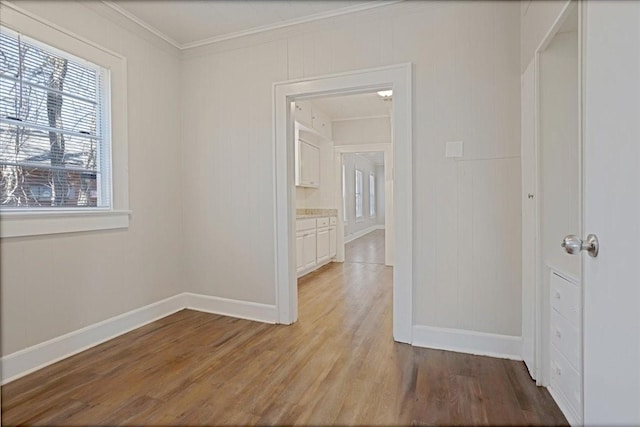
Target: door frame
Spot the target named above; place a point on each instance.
(542, 339)
(399, 79)
(387, 149)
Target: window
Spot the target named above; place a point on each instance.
(54, 127)
(372, 195)
(63, 131)
(358, 194)
(344, 192)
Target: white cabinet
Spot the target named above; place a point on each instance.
(309, 249)
(333, 248)
(315, 243)
(321, 123)
(313, 119)
(304, 114)
(323, 245)
(307, 164)
(566, 344)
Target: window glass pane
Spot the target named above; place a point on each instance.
(51, 147)
(359, 209)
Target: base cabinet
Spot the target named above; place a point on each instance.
(315, 243)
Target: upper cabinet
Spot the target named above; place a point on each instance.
(313, 119)
(307, 164)
(312, 131)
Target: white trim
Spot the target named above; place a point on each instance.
(348, 119)
(563, 403)
(472, 342)
(153, 30)
(256, 30)
(234, 308)
(19, 224)
(31, 359)
(398, 78)
(353, 236)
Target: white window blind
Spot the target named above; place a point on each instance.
(372, 195)
(54, 132)
(359, 208)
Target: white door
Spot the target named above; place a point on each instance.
(309, 243)
(612, 212)
(529, 227)
(332, 242)
(299, 252)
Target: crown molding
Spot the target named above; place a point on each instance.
(142, 23)
(349, 119)
(251, 31)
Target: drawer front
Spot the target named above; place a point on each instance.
(566, 339)
(323, 222)
(305, 224)
(567, 380)
(333, 220)
(565, 298)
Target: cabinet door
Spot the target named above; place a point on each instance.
(309, 164)
(322, 123)
(323, 245)
(309, 245)
(303, 113)
(300, 252)
(333, 249)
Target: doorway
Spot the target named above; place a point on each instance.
(552, 209)
(396, 78)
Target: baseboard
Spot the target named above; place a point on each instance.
(479, 343)
(31, 359)
(564, 406)
(234, 308)
(353, 236)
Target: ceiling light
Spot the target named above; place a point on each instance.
(385, 93)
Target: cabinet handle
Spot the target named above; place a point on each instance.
(557, 295)
(558, 333)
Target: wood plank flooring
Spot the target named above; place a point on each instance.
(338, 365)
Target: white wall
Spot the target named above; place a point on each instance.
(466, 78)
(56, 284)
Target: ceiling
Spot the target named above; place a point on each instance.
(349, 107)
(190, 23)
(375, 157)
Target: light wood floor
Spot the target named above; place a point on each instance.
(337, 365)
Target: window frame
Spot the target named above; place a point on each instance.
(16, 222)
(372, 195)
(359, 202)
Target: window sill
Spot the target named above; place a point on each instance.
(30, 223)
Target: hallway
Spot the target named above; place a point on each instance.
(338, 365)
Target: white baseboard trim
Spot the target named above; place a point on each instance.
(234, 308)
(463, 341)
(31, 359)
(353, 236)
(23, 362)
(564, 406)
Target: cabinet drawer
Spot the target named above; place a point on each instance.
(566, 380)
(333, 220)
(566, 339)
(323, 222)
(565, 298)
(305, 224)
